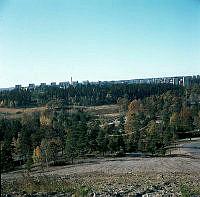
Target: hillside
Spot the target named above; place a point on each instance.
(88, 140)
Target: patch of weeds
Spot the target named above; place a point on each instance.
(29, 184)
(59, 163)
(83, 191)
(187, 191)
(8, 187)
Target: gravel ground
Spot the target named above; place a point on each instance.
(130, 175)
(128, 164)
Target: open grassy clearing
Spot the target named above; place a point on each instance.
(19, 112)
(103, 110)
(107, 111)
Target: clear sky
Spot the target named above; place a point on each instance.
(52, 40)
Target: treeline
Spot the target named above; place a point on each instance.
(86, 95)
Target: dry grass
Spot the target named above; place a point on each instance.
(112, 115)
(30, 184)
(106, 111)
(18, 112)
(25, 110)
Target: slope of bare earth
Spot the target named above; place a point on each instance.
(131, 174)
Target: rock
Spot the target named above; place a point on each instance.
(93, 194)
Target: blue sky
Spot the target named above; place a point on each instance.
(52, 40)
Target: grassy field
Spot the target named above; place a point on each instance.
(104, 110)
(18, 112)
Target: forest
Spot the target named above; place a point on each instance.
(153, 118)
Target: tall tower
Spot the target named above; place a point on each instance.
(71, 80)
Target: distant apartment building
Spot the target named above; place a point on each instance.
(156, 80)
(175, 81)
(53, 83)
(31, 85)
(18, 86)
(187, 80)
(43, 84)
(178, 80)
(64, 84)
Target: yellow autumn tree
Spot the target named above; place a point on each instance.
(134, 109)
(45, 121)
(37, 155)
(46, 118)
(152, 127)
(1, 103)
(175, 121)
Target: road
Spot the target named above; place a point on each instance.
(192, 148)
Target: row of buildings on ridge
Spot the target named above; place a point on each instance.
(182, 80)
